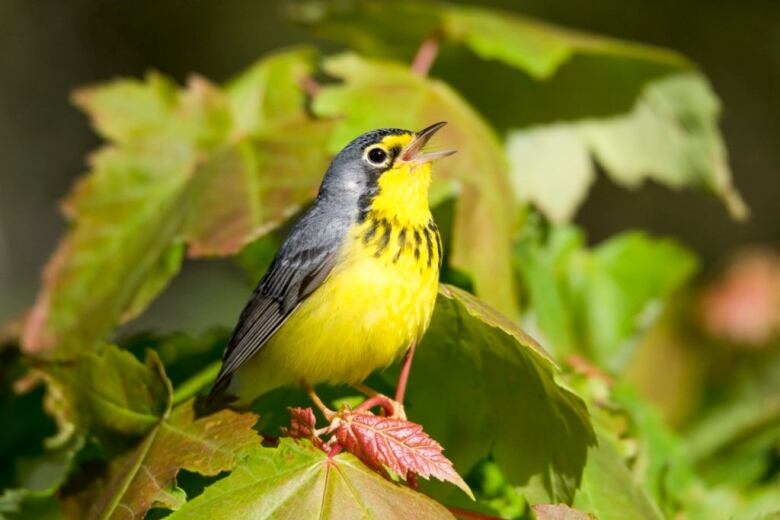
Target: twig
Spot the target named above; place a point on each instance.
(426, 54)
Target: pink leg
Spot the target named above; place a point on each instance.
(400, 390)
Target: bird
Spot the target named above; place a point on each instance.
(353, 286)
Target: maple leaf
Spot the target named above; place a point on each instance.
(397, 444)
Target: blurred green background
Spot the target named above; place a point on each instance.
(48, 48)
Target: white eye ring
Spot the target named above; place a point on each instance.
(377, 156)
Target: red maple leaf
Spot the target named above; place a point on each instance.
(397, 444)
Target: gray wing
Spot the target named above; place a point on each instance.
(299, 268)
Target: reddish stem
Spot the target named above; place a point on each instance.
(426, 54)
(334, 450)
(400, 390)
(377, 400)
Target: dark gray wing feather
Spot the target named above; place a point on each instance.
(300, 267)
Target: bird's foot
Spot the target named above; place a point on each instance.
(330, 415)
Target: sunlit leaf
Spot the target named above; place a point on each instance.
(371, 96)
(217, 168)
(146, 476)
(551, 168)
(266, 179)
(670, 136)
(298, 480)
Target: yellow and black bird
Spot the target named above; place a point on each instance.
(353, 286)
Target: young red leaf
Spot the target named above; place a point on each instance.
(397, 444)
(302, 426)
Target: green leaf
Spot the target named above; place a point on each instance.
(518, 41)
(269, 91)
(107, 391)
(216, 168)
(299, 480)
(661, 463)
(597, 301)
(156, 281)
(551, 168)
(251, 187)
(514, 52)
(734, 440)
(608, 488)
(146, 476)
(498, 395)
(370, 97)
(127, 213)
(670, 136)
(534, 46)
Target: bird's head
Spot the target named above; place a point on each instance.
(386, 169)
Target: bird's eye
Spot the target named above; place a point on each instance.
(377, 155)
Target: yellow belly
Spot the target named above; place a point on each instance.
(361, 319)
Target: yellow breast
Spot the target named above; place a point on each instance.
(377, 300)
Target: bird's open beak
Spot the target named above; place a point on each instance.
(412, 152)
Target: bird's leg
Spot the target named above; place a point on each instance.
(400, 389)
(326, 412)
(393, 407)
(365, 390)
